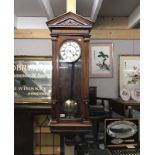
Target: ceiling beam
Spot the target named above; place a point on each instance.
(71, 6)
(95, 34)
(46, 5)
(134, 18)
(95, 9)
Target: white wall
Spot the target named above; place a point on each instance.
(39, 47)
(106, 87)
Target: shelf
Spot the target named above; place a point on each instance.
(46, 150)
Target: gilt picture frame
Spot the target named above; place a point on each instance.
(32, 79)
(101, 60)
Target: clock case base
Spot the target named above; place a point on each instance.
(70, 126)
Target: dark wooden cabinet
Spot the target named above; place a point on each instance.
(23, 133)
(23, 126)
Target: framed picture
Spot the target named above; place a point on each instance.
(32, 79)
(129, 73)
(101, 60)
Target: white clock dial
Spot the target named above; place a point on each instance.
(70, 51)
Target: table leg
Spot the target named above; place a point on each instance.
(95, 132)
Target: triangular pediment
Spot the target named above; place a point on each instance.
(70, 20)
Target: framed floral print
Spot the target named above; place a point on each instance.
(101, 60)
(129, 75)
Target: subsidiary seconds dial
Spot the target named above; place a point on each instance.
(70, 51)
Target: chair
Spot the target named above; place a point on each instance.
(98, 106)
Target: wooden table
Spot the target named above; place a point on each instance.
(124, 108)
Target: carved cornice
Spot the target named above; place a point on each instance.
(70, 20)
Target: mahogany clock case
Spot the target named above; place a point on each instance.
(70, 74)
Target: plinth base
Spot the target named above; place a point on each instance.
(70, 126)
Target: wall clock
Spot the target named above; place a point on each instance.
(70, 74)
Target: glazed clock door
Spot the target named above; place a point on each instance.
(69, 87)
